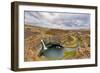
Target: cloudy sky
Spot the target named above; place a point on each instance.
(57, 20)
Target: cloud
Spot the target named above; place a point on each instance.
(57, 20)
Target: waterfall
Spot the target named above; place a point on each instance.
(44, 46)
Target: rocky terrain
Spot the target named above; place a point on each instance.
(72, 39)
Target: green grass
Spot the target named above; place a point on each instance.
(69, 54)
